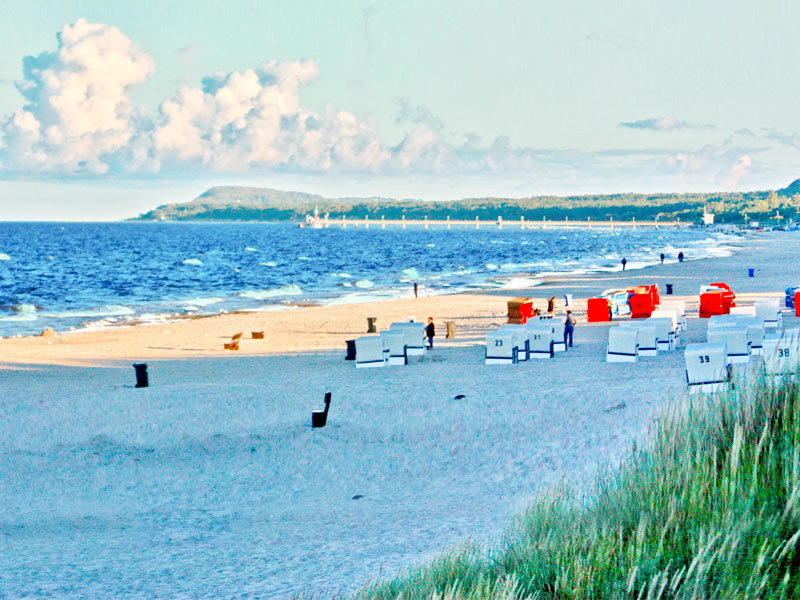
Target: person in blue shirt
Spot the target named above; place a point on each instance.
(569, 327)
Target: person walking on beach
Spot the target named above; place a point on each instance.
(430, 331)
(569, 327)
(624, 262)
(416, 290)
(662, 258)
(680, 256)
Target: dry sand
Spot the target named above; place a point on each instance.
(211, 482)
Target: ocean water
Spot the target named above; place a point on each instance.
(88, 275)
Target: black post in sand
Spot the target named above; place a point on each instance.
(320, 417)
(141, 375)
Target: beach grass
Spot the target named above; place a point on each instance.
(708, 508)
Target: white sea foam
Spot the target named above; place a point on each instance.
(342, 275)
(364, 283)
(249, 249)
(267, 264)
(4, 256)
(202, 301)
(192, 261)
(287, 290)
(111, 310)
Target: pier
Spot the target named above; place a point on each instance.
(343, 222)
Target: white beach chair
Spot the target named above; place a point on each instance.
(540, 340)
(747, 311)
(753, 325)
(394, 347)
(706, 367)
(737, 343)
(782, 353)
(501, 348)
(623, 344)
(769, 310)
(520, 333)
(647, 339)
(369, 352)
(666, 331)
(679, 306)
(414, 336)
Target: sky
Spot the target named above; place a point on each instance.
(108, 109)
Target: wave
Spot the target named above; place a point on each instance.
(113, 310)
(287, 290)
(4, 256)
(267, 264)
(192, 261)
(202, 301)
(364, 283)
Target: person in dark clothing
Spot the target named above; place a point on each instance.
(551, 305)
(624, 262)
(430, 331)
(680, 256)
(569, 327)
(662, 258)
(416, 290)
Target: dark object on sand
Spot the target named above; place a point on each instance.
(351, 350)
(371, 324)
(141, 375)
(669, 289)
(320, 417)
(459, 397)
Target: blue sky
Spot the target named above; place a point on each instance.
(137, 103)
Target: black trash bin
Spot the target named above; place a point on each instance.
(351, 350)
(669, 289)
(141, 375)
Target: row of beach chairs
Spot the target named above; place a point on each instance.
(647, 337)
(391, 347)
(511, 344)
(735, 338)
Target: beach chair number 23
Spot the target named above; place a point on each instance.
(783, 353)
(498, 342)
(704, 358)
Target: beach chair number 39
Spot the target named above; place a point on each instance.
(704, 358)
(783, 353)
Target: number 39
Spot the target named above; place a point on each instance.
(704, 358)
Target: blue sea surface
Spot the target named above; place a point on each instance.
(77, 275)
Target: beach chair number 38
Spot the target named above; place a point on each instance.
(783, 353)
(704, 358)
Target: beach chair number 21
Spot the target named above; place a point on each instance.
(783, 353)
(704, 358)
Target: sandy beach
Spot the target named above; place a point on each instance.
(211, 482)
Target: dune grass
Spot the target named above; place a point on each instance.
(710, 508)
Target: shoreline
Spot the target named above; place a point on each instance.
(326, 327)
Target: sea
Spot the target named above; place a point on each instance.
(72, 276)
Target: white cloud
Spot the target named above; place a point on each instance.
(78, 114)
(664, 124)
(251, 119)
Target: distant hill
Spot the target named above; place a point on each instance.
(233, 203)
